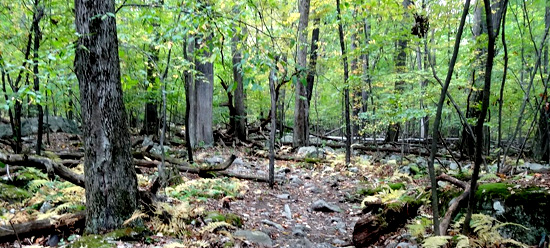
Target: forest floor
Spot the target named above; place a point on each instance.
(313, 204)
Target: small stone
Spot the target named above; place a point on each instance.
(353, 169)
(338, 242)
(296, 180)
(323, 206)
(287, 212)
(273, 224)
(283, 196)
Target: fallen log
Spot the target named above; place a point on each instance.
(65, 223)
(50, 166)
(372, 227)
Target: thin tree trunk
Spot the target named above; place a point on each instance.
(240, 112)
(484, 106)
(301, 107)
(39, 13)
(346, 88)
(273, 112)
(437, 121)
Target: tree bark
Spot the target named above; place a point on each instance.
(346, 87)
(301, 107)
(39, 13)
(240, 112)
(111, 183)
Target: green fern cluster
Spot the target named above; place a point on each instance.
(204, 188)
(485, 230)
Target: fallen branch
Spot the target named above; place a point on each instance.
(454, 207)
(43, 227)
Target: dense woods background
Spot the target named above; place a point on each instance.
(366, 74)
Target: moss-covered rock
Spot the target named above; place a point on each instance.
(230, 218)
(525, 206)
(109, 239)
(10, 193)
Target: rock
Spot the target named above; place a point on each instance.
(303, 242)
(147, 142)
(238, 161)
(299, 231)
(392, 245)
(287, 139)
(323, 245)
(453, 166)
(273, 224)
(405, 170)
(287, 212)
(156, 149)
(442, 184)
(497, 206)
(296, 180)
(256, 237)
(45, 207)
(405, 245)
(538, 168)
(315, 190)
(53, 240)
(283, 196)
(338, 242)
(214, 160)
(391, 162)
(328, 150)
(323, 206)
(310, 152)
(353, 169)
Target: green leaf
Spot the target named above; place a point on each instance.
(2, 165)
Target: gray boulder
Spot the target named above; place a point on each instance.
(255, 237)
(323, 206)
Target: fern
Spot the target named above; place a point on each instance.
(137, 215)
(436, 241)
(213, 226)
(486, 229)
(37, 184)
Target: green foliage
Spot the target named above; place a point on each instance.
(204, 188)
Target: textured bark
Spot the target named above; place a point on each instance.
(240, 112)
(301, 107)
(313, 59)
(189, 99)
(39, 13)
(151, 120)
(200, 94)
(346, 77)
(111, 183)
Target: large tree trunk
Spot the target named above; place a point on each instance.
(239, 119)
(200, 87)
(111, 183)
(301, 107)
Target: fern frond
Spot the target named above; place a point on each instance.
(36, 184)
(212, 226)
(436, 241)
(137, 215)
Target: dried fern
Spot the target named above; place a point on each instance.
(213, 226)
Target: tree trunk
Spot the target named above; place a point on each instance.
(490, 53)
(392, 134)
(39, 13)
(151, 120)
(346, 88)
(239, 119)
(200, 94)
(111, 183)
(301, 107)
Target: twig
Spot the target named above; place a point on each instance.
(15, 231)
